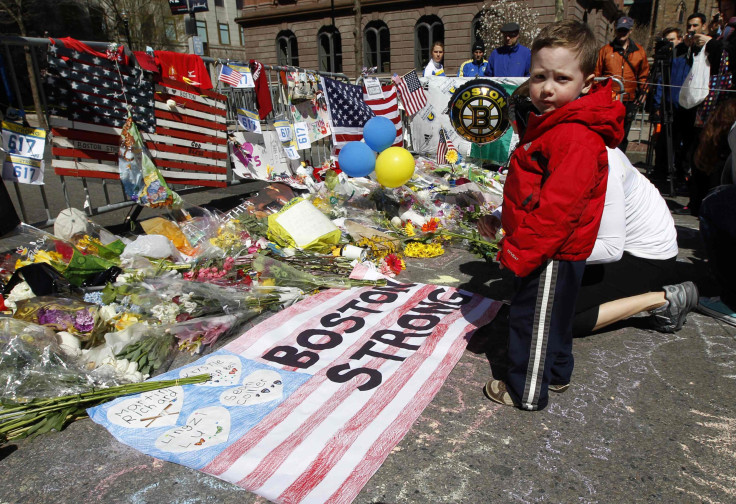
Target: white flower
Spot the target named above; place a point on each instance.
(19, 293)
(186, 304)
(108, 312)
(166, 312)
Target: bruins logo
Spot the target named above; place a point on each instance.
(479, 111)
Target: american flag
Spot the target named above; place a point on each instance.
(319, 431)
(388, 107)
(411, 92)
(347, 110)
(229, 75)
(87, 106)
(444, 146)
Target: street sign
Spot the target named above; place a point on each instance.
(182, 7)
(197, 46)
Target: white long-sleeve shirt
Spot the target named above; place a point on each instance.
(635, 216)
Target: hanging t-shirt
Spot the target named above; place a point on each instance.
(263, 92)
(186, 68)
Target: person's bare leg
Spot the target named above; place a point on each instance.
(621, 309)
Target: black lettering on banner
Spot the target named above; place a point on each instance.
(366, 350)
(440, 308)
(330, 321)
(463, 298)
(408, 322)
(382, 297)
(354, 305)
(396, 338)
(291, 357)
(343, 373)
(303, 339)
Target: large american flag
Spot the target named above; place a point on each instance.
(347, 110)
(410, 90)
(388, 107)
(87, 99)
(310, 425)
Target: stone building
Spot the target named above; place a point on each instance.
(396, 35)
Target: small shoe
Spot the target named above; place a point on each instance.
(717, 309)
(681, 299)
(495, 390)
(558, 388)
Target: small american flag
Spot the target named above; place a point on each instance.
(347, 110)
(411, 92)
(444, 146)
(229, 76)
(388, 107)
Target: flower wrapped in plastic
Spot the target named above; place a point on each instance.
(274, 272)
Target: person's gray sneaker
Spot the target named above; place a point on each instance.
(681, 299)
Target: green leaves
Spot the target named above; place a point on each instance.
(39, 416)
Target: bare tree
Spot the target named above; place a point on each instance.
(144, 21)
(358, 33)
(16, 10)
(498, 13)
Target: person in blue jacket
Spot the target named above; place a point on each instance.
(476, 66)
(511, 59)
(683, 119)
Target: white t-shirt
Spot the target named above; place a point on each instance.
(635, 217)
(433, 68)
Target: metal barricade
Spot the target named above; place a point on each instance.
(39, 204)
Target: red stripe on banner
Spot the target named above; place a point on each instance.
(332, 453)
(191, 151)
(279, 454)
(69, 172)
(378, 452)
(84, 154)
(87, 136)
(191, 89)
(188, 135)
(186, 103)
(193, 121)
(183, 165)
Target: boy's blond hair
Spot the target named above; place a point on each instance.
(574, 35)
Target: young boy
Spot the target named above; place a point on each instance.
(553, 201)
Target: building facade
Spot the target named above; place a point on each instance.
(396, 35)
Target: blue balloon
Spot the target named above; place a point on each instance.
(379, 133)
(357, 159)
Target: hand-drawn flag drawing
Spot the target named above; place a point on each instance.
(347, 110)
(88, 96)
(388, 107)
(410, 90)
(306, 406)
(229, 76)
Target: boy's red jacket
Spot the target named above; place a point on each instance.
(556, 185)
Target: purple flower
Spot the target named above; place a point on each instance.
(47, 316)
(85, 321)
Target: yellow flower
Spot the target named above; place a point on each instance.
(125, 320)
(417, 249)
(451, 156)
(409, 228)
(43, 256)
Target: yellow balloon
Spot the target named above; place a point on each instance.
(394, 167)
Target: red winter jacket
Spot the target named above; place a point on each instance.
(556, 185)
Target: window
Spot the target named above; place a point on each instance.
(170, 29)
(377, 46)
(239, 4)
(287, 50)
(202, 30)
(329, 49)
(427, 31)
(219, 3)
(224, 31)
(241, 30)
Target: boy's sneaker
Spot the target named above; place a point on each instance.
(559, 388)
(495, 390)
(717, 309)
(681, 299)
